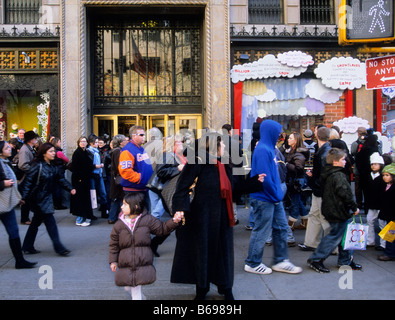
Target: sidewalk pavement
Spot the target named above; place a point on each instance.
(85, 273)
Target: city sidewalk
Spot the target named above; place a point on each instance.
(85, 273)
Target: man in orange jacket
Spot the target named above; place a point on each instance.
(134, 163)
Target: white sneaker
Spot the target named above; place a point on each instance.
(261, 269)
(287, 267)
(83, 224)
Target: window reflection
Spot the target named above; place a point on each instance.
(148, 64)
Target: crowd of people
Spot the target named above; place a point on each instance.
(198, 182)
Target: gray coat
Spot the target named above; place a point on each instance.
(26, 155)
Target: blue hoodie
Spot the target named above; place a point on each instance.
(264, 161)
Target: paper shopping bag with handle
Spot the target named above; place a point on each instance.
(388, 232)
(355, 236)
(93, 199)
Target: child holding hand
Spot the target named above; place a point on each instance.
(130, 254)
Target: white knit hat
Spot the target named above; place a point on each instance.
(376, 158)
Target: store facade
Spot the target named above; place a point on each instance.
(155, 63)
(29, 81)
(269, 34)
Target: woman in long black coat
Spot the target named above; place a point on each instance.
(81, 168)
(204, 249)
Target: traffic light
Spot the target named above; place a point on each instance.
(365, 21)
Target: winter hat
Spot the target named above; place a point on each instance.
(308, 133)
(30, 135)
(390, 169)
(376, 158)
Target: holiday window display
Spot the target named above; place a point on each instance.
(24, 109)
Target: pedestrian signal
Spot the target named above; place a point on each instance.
(364, 21)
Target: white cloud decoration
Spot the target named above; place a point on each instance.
(266, 67)
(269, 96)
(342, 73)
(316, 90)
(295, 59)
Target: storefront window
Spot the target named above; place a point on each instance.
(24, 109)
(148, 62)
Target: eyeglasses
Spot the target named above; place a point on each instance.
(139, 134)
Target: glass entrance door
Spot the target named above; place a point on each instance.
(167, 124)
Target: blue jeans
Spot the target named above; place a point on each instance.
(157, 209)
(251, 218)
(330, 242)
(297, 207)
(115, 209)
(97, 183)
(10, 224)
(268, 218)
(389, 249)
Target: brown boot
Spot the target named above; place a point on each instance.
(291, 224)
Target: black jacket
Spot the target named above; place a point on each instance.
(387, 211)
(37, 187)
(319, 164)
(337, 196)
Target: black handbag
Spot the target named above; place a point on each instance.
(155, 184)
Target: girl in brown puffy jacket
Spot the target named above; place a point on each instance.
(130, 255)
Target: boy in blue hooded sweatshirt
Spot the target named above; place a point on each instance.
(268, 210)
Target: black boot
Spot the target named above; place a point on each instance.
(104, 212)
(20, 262)
(201, 293)
(156, 242)
(154, 246)
(229, 295)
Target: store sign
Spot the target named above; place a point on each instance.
(342, 73)
(380, 72)
(266, 67)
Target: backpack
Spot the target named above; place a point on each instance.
(311, 148)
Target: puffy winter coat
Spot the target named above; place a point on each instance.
(131, 249)
(38, 186)
(337, 199)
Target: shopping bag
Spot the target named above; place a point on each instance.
(355, 236)
(93, 199)
(388, 232)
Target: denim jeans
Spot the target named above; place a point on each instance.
(97, 183)
(157, 209)
(115, 209)
(268, 218)
(297, 208)
(52, 229)
(389, 249)
(329, 243)
(10, 224)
